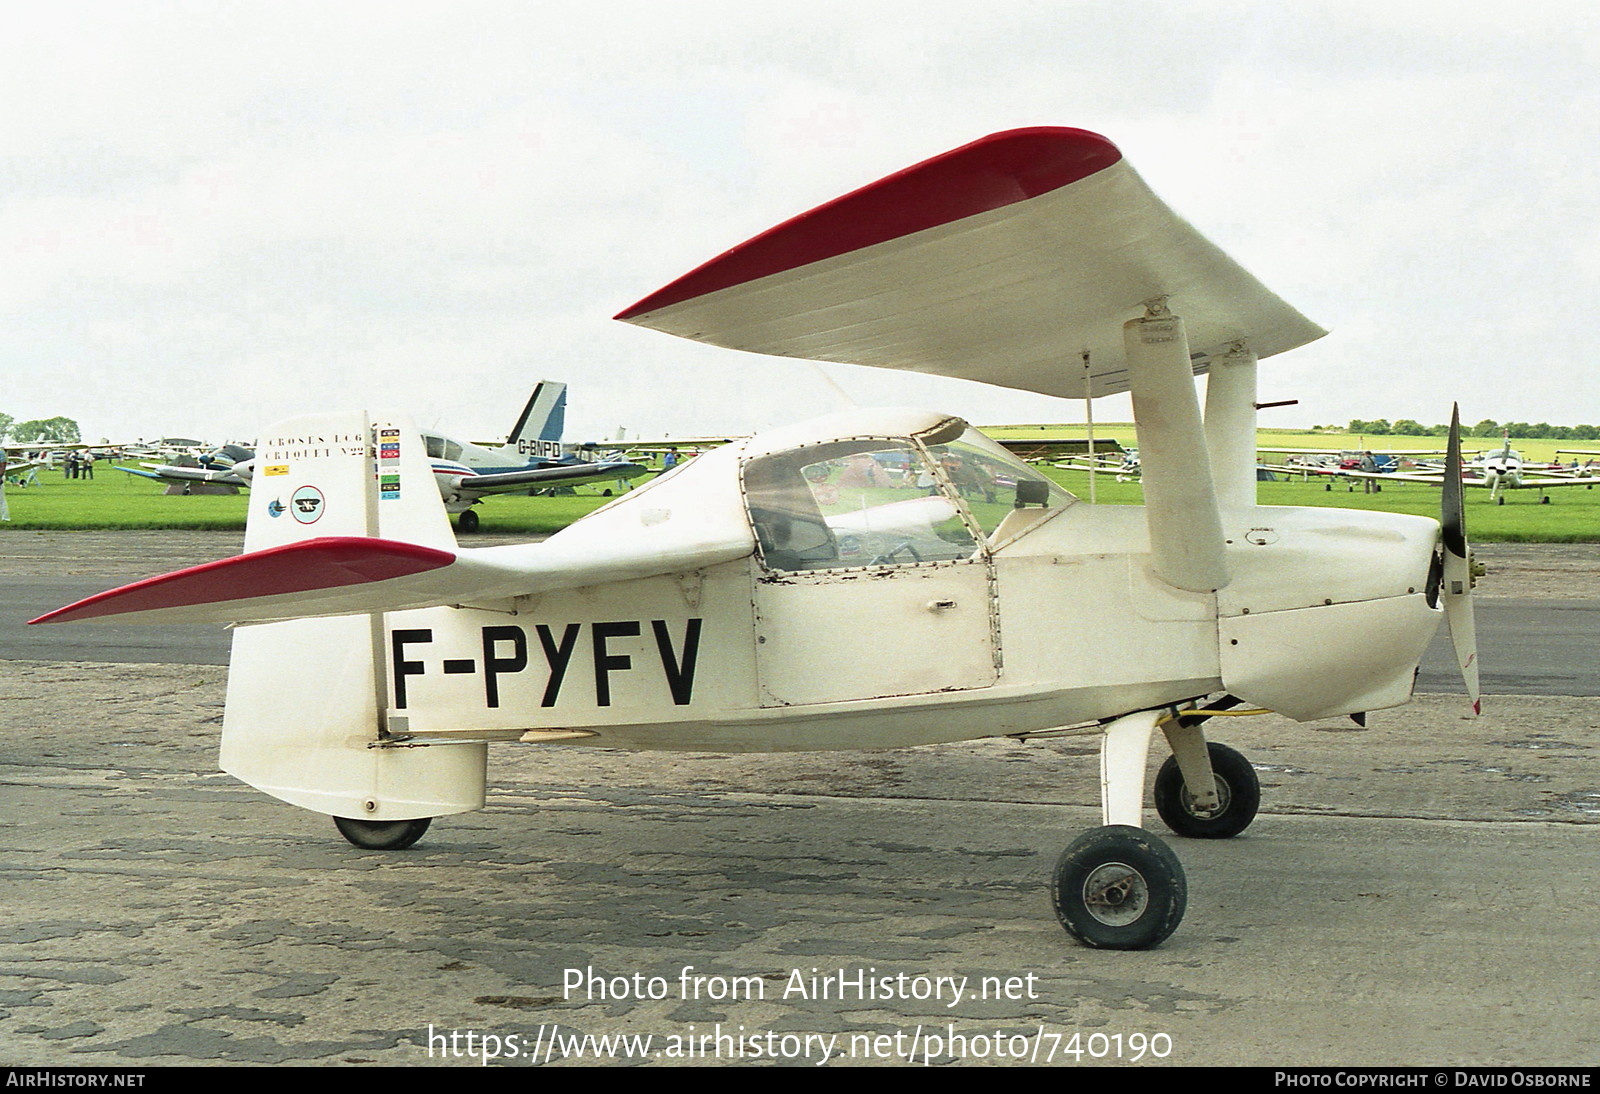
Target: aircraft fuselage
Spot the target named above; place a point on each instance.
(1064, 625)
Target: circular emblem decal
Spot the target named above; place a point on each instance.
(305, 504)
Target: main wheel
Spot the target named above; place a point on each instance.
(1119, 888)
(467, 522)
(1238, 797)
(382, 835)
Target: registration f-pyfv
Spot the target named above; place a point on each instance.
(872, 579)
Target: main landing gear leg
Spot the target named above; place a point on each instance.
(1193, 759)
(1119, 887)
(1229, 792)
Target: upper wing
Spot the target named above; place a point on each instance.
(1006, 261)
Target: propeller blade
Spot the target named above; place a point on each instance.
(1458, 565)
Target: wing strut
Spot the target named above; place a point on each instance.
(1180, 500)
(1231, 427)
(1088, 417)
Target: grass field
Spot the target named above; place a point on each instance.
(1571, 516)
(1534, 451)
(115, 500)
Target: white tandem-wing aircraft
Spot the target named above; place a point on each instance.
(866, 580)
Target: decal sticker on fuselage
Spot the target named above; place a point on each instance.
(506, 651)
(388, 464)
(306, 504)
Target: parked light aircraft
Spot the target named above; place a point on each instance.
(1124, 467)
(864, 580)
(1588, 465)
(1503, 469)
(23, 468)
(532, 458)
(25, 460)
(1313, 461)
(223, 469)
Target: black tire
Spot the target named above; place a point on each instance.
(1237, 788)
(1119, 888)
(382, 835)
(467, 522)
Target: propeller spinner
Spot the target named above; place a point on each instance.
(1458, 564)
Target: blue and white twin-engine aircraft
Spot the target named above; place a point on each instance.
(532, 458)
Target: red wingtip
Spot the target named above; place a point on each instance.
(328, 563)
(990, 173)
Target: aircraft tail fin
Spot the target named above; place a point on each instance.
(352, 473)
(543, 421)
(308, 699)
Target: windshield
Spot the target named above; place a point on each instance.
(989, 480)
(853, 503)
(882, 502)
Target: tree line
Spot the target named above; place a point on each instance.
(39, 430)
(1405, 427)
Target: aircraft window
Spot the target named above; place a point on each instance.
(452, 449)
(852, 503)
(435, 446)
(990, 480)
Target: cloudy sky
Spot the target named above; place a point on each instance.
(213, 215)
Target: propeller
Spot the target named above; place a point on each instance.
(1457, 576)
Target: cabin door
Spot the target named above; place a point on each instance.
(826, 636)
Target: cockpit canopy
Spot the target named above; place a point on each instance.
(938, 495)
(441, 448)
